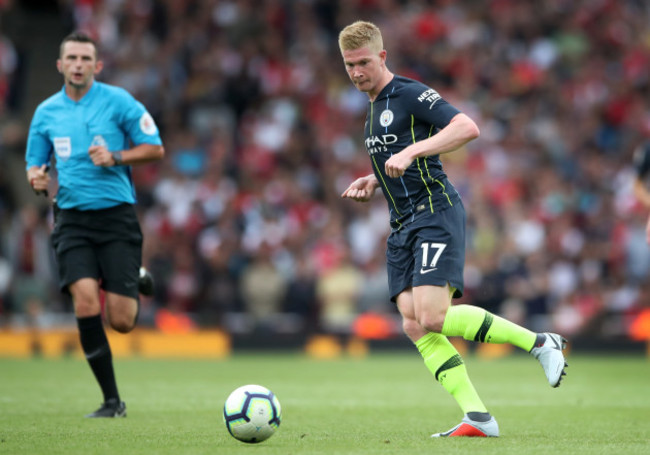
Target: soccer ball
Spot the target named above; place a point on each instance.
(252, 413)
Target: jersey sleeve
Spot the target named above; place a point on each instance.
(39, 147)
(429, 107)
(138, 123)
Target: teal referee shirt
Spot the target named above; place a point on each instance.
(106, 115)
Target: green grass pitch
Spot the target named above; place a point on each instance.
(386, 403)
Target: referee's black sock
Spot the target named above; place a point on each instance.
(98, 353)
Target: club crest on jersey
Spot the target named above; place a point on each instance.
(99, 140)
(386, 117)
(147, 125)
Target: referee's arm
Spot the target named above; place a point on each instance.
(140, 154)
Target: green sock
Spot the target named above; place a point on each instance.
(476, 324)
(446, 365)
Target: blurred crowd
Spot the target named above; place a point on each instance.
(244, 227)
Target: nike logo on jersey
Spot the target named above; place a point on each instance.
(423, 271)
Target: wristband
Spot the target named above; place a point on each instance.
(117, 157)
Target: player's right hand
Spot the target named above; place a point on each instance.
(38, 178)
(362, 189)
(101, 156)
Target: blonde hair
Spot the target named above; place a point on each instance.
(360, 34)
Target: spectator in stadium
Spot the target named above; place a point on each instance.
(641, 189)
(408, 125)
(96, 132)
(263, 288)
(338, 288)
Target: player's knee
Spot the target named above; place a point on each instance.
(85, 307)
(85, 297)
(412, 329)
(122, 323)
(432, 321)
(121, 312)
(122, 326)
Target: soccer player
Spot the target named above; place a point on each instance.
(408, 125)
(642, 168)
(96, 132)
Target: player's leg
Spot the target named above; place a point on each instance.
(440, 259)
(403, 255)
(476, 324)
(85, 295)
(120, 265)
(79, 274)
(120, 260)
(435, 312)
(446, 365)
(121, 312)
(440, 357)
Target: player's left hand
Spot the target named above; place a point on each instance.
(101, 156)
(397, 164)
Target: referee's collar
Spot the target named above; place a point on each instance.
(84, 99)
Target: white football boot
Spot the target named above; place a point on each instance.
(473, 429)
(550, 356)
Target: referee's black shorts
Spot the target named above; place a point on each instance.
(102, 244)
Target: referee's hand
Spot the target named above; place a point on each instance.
(39, 179)
(101, 156)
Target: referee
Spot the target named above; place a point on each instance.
(96, 132)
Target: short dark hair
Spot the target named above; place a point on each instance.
(78, 37)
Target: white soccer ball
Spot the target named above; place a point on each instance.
(252, 413)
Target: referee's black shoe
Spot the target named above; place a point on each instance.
(110, 408)
(145, 282)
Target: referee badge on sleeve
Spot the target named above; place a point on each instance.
(147, 125)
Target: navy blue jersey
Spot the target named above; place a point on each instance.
(407, 111)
